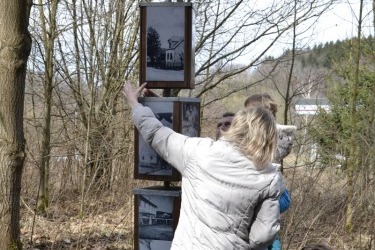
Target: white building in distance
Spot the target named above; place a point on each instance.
(311, 106)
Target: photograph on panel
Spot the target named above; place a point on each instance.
(155, 221)
(150, 163)
(190, 119)
(165, 43)
(154, 244)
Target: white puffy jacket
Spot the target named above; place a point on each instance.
(226, 202)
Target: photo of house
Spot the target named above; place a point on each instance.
(150, 162)
(155, 221)
(165, 43)
(174, 55)
(156, 213)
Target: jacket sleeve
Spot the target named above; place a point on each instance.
(284, 201)
(171, 146)
(266, 224)
(285, 141)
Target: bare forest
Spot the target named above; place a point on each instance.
(77, 174)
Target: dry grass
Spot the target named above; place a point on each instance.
(317, 215)
(318, 211)
(107, 224)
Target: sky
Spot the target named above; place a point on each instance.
(341, 21)
(338, 23)
(161, 20)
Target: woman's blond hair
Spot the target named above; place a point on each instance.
(253, 131)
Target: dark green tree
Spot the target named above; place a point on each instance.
(346, 139)
(153, 44)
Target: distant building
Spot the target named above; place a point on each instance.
(148, 156)
(150, 215)
(147, 210)
(311, 106)
(174, 54)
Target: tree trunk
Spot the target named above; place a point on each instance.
(353, 157)
(48, 38)
(15, 45)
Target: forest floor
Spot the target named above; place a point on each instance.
(104, 227)
(317, 215)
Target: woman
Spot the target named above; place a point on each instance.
(230, 189)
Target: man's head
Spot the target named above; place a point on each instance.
(253, 131)
(262, 100)
(224, 123)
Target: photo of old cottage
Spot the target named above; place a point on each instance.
(150, 162)
(165, 43)
(156, 213)
(155, 221)
(174, 55)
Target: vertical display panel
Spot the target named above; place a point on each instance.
(167, 53)
(156, 214)
(180, 114)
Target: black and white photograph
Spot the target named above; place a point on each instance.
(155, 221)
(165, 43)
(149, 162)
(156, 213)
(145, 244)
(190, 119)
